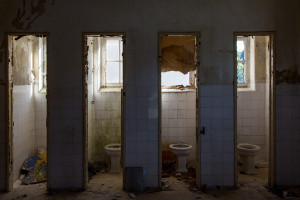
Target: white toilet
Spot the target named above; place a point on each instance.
(247, 153)
(181, 151)
(114, 151)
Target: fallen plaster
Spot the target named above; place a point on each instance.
(290, 76)
(28, 12)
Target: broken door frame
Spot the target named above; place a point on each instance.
(9, 107)
(85, 35)
(272, 118)
(197, 51)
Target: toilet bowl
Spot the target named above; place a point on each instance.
(114, 151)
(247, 153)
(181, 151)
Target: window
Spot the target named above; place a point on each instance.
(111, 67)
(42, 65)
(240, 61)
(178, 80)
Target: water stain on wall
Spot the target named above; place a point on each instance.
(28, 12)
(290, 76)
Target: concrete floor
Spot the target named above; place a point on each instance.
(109, 186)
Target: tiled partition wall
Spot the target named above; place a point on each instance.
(253, 118)
(179, 121)
(287, 134)
(23, 129)
(142, 130)
(66, 140)
(217, 145)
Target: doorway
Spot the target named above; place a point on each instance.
(178, 108)
(254, 108)
(27, 109)
(104, 110)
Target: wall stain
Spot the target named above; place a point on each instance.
(290, 76)
(28, 12)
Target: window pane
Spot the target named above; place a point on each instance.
(240, 61)
(174, 78)
(240, 72)
(240, 50)
(121, 50)
(112, 72)
(112, 50)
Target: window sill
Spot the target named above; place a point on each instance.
(110, 89)
(176, 90)
(43, 91)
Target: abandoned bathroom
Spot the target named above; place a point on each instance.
(181, 97)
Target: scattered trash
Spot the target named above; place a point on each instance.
(131, 195)
(281, 192)
(178, 174)
(35, 168)
(165, 186)
(103, 191)
(95, 167)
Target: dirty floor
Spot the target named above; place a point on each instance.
(109, 186)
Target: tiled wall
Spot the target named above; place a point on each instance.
(40, 115)
(23, 129)
(217, 145)
(107, 123)
(142, 130)
(253, 118)
(65, 153)
(179, 121)
(287, 134)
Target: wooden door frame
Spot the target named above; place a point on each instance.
(198, 138)
(85, 102)
(9, 107)
(272, 99)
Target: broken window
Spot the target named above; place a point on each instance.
(178, 67)
(111, 61)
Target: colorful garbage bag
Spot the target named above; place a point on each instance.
(36, 168)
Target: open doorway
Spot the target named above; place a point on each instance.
(27, 109)
(179, 56)
(103, 67)
(254, 102)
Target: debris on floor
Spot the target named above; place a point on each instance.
(165, 185)
(284, 192)
(35, 168)
(169, 169)
(131, 195)
(95, 167)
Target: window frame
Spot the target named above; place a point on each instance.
(103, 62)
(42, 84)
(245, 84)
